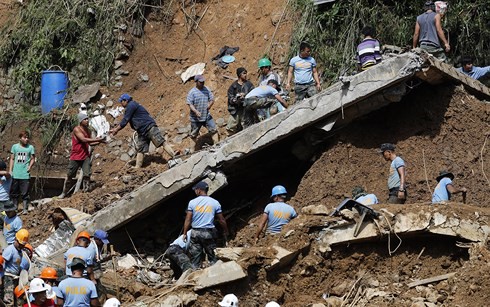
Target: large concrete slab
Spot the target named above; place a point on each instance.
(217, 274)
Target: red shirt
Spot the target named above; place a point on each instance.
(47, 303)
(79, 149)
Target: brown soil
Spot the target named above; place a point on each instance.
(434, 128)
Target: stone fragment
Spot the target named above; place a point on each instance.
(217, 274)
(126, 262)
(125, 157)
(315, 210)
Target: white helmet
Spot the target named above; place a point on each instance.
(112, 302)
(230, 300)
(37, 285)
(272, 304)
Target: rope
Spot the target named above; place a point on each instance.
(390, 252)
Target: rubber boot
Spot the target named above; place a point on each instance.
(66, 188)
(215, 138)
(169, 150)
(86, 184)
(26, 206)
(139, 160)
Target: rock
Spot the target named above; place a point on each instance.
(121, 72)
(315, 210)
(179, 299)
(126, 178)
(289, 233)
(125, 157)
(341, 288)
(131, 152)
(118, 84)
(126, 262)
(221, 122)
(154, 277)
(184, 130)
(217, 274)
(137, 289)
(275, 18)
(418, 304)
(178, 139)
(333, 301)
(318, 305)
(229, 253)
(109, 104)
(144, 78)
(118, 64)
(283, 257)
(371, 293)
(84, 93)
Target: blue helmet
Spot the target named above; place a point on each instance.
(278, 190)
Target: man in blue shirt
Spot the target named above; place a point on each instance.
(177, 254)
(5, 184)
(200, 99)
(140, 120)
(200, 217)
(397, 176)
(76, 290)
(445, 188)
(360, 195)
(306, 80)
(474, 72)
(276, 214)
(12, 256)
(81, 250)
(265, 97)
(11, 223)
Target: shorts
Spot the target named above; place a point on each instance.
(154, 135)
(209, 123)
(74, 165)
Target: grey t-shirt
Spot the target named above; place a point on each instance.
(394, 177)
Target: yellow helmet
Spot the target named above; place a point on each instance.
(22, 236)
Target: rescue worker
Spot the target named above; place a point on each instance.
(13, 258)
(50, 276)
(145, 126)
(81, 250)
(177, 254)
(360, 195)
(266, 73)
(429, 33)
(20, 294)
(200, 99)
(239, 118)
(306, 80)
(5, 184)
(12, 223)
(397, 178)
(272, 304)
(264, 97)
(229, 300)
(473, 72)
(76, 290)
(80, 155)
(445, 188)
(201, 213)
(98, 244)
(27, 252)
(38, 289)
(276, 214)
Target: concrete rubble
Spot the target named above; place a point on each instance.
(429, 221)
(217, 274)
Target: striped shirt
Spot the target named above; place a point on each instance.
(368, 53)
(200, 99)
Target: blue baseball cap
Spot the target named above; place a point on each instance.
(124, 96)
(102, 236)
(201, 185)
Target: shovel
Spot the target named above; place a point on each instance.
(23, 281)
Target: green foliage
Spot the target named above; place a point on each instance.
(334, 29)
(69, 34)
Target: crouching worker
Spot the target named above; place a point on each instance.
(265, 97)
(276, 214)
(177, 254)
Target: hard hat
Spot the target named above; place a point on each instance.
(37, 285)
(112, 302)
(19, 291)
(22, 236)
(278, 190)
(2, 260)
(29, 247)
(272, 304)
(230, 300)
(264, 62)
(49, 273)
(83, 234)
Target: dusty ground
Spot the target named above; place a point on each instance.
(434, 128)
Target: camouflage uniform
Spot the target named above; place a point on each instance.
(203, 239)
(179, 261)
(9, 284)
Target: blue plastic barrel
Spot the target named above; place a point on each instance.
(54, 84)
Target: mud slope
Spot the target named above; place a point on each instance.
(444, 125)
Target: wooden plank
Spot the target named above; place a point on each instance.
(430, 280)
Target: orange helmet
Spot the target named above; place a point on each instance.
(83, 234)
(48, 273)
(2, 261)
(22, 236)
(19, 291)
(29, 248)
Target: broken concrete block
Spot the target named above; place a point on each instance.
(334, 301)
(229, 253)
(217, 274)
(179, 299)
(283, 257)
(412, 221)
(316, 210)
(127, 262)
